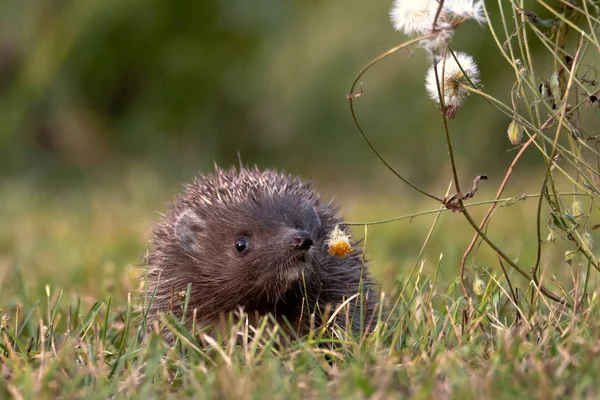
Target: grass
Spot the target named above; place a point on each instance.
(75, 331)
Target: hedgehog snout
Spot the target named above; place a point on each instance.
(302, 240)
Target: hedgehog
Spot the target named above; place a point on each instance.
(256, 240)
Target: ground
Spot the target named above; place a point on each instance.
(72, 325)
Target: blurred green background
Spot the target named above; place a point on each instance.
(107, 107)
(93, 84)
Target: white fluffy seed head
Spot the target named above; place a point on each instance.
(466, 9)
(413, 16)
(417, 16)
(453, 79)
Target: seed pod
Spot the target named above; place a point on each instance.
(479, 286)
(515, 132)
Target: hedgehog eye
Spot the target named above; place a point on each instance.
(241, 245)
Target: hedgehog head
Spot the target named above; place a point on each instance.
(242, 238)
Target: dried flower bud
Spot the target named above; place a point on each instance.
(4, 322)
(587, 241)
(479, 286)
(181, 296)
(515, 132)
(555, 88)
(523, 71)
(339, 243)
(520, 67)
(577, 209)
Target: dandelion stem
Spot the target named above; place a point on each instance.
(352, 96)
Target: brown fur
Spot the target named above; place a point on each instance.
(196, 243)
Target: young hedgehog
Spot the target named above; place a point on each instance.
(257, 240)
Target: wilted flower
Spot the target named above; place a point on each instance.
(454, 79)
(339, 243)
(515, 132)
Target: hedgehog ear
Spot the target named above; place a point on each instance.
(313, 213)
(187, 229)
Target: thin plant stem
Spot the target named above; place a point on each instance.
(489, 213)
(514, 265)
(513, 200)
(464, 211)
(440, 87)
(351, 96)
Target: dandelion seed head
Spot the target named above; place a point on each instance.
(467, 9)
(453, 80)
(413, 16)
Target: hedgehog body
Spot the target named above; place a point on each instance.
(256, 240)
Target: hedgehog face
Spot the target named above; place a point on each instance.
(262, 245)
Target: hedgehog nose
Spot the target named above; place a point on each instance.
(302, 240)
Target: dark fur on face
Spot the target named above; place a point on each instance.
(252, 239)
